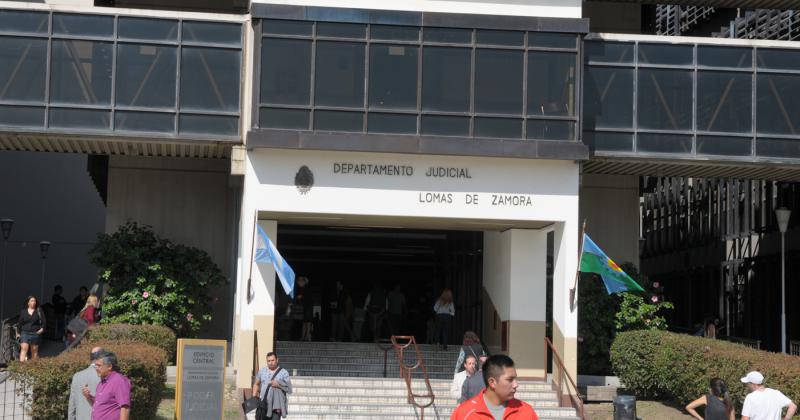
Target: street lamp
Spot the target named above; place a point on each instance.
(5, 227)
(782, 214)
(44, 246)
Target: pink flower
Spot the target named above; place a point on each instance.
(655, 284)
(189, 316)
(134, 302)
(146, 294)
(654, 299)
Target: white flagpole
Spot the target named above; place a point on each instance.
(250, 294)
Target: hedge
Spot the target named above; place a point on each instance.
(154, 335)
(659, 364)
(49, 379)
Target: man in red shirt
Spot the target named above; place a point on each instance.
(497, 400)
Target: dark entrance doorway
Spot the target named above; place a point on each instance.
(421, 263)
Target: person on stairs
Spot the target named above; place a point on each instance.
(497, 400)
(272, 384)
(470, 366)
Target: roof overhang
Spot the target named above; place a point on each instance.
(732, 4)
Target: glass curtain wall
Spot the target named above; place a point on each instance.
(691, 99)
(102, 73)
(346, 77)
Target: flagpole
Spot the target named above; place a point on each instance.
(252, 255)
(574, 290)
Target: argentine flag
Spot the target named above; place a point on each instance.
(267, 253)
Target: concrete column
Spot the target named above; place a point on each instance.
(565, 317)
(610, 206)
(515, 275)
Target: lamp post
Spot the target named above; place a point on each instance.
(44, 246)
(5, 227)
(782, 214)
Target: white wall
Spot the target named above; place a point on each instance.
(51, 197)
(543, 8)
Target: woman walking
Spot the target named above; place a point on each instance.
(717, 401)
(31, 327)
(445, 312)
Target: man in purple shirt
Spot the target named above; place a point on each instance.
(112, 400)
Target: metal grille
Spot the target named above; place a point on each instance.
(676, 20)
(13, 399)
(764, 24)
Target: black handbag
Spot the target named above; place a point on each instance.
(250, 404)
(77, 325)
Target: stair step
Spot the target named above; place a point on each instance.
(387, 408)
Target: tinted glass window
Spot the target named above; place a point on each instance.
(445, 79)
(545, 40)
(392, 123)
(610, 142)
(665, 99)
(284, 118)
(85, 25)
(778, 104)
(147, 29)
(285, 71)
(209, 125)
(551, 83)
(498, 127)
(445, 125)
(23, 65)
(724, 101)
(608, 52)
(23, 22)
(663, 143)
(492, 37)
(550, 130)
(665, 54)
(341, 30)
(768, 58)
(150, 122)
(286, 27)
(724, 57)
(394, 33)
(80, 118)
(393, 76)
(608, 98)
(339, 76)
(724, 146)
(81, 72)
(448, 35)
(149, 75)
(338, 121)
(498, 81)
(210, 79)
(18, 116)
(782, 148)
(212, 32)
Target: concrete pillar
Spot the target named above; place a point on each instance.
(565, 316)
(515, 275)
(610, 206)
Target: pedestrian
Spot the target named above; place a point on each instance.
(77, 303)
(764, 403)
(112, 400)
(79, 408)
(497, 400)
(307, 305)
(470, 346)
(712, 326)
(341, 314)
(60, 309)
(445, 312)
(474, 384)
(90, 314)
(31, 326)
(272, 384)
(470, 367)
(397, 309)
(375, 305)
(717, 401)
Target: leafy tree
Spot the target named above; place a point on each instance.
(154, 281)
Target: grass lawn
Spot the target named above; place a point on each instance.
(650, 410)
(166, 410)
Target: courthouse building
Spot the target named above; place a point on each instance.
(431, 144)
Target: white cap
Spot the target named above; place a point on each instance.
(753, 377)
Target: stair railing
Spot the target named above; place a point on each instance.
(405, 372)
(385, 344)
(576, 400)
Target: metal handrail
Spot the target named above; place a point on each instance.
(575, 400)
(405, 372)
(381, 345)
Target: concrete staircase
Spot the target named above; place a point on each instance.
(345, 381)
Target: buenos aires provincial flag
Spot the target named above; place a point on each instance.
(266, 252)
(594, 260)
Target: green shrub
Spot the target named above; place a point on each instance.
(660, 364)
(49, 379)
(154, 335)
(155, 281)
